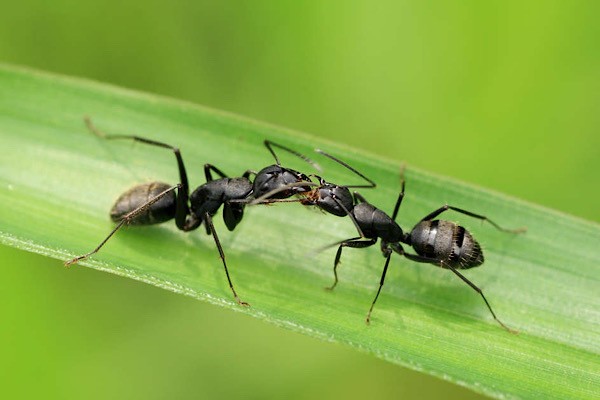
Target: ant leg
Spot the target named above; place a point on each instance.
(337, 160)
(357, 243)
(421, 259)
(208, 175)
(468, 282)
(381, 281)
(397, 247)
(209, 224)
(358, 198)
(418, 258)
(181, 166)
(470, 214)
(401, 194)
(269, 144)
(125, 220)
(247, 173)
(182, 208)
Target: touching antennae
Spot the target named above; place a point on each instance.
(337, 160)
(266, 198)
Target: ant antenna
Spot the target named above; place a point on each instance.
(337, 160)
(269, 144)
(266, 198)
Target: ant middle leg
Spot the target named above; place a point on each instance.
(357, 243)
(470, 214)
(359, 198)
(208, 221)
(248, 172)
(381, 281)
(386, 249)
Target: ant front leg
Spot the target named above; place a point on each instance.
(349, 214)
(208, 175)
(470, 214)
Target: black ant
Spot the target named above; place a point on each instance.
(439, 242)
(156, 202)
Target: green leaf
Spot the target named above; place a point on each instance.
(57, 183)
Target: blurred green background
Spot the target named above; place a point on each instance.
(501, 94)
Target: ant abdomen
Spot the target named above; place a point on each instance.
(447, 243)
(161, 211)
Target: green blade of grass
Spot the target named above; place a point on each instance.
(57, 183)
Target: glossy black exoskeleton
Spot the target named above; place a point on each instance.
(156, 202)
(438, 242)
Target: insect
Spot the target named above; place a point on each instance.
(156, 202)
(438, 242)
